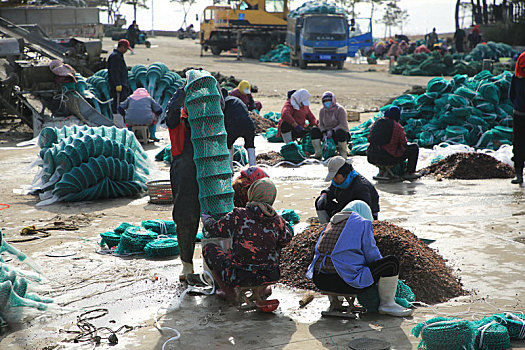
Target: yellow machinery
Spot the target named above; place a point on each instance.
(254, 25)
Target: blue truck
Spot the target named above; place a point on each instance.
(325, 38)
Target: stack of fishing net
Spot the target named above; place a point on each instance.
(316, 7)
(471, 111)
(208, 136)
(490, 50)
(329, 147)
(164, 155)
(290, 216)
(370, 298)
(293, 153)
(88, 163)
(154, 238)
(491, 333)
(280, 54)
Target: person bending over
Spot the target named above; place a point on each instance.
(294, 114)
(141, 109)
(243, 91)
(242, 183)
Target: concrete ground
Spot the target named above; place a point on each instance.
(478, 226)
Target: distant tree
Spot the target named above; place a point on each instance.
(186, 6)
(113, 7)
(394, 16)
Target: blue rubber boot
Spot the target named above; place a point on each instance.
(152, 129)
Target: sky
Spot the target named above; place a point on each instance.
(423, 15)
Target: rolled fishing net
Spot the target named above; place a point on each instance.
(471, 111)
(162, 227)
(370, 298)
(514, 322)
(442, 333)
(208, 136)
(110, 239)
(6, 247)
(289, 215)
(134, 239)
(9, 298)
(164, 247)
(329, 148)
(490, 335)
(291, 152)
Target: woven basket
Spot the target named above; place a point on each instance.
(160, 191)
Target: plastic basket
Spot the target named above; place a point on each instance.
(160, 191)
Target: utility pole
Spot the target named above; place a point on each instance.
(152, 19)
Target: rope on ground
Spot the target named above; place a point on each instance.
(5, 206)
(177, 306)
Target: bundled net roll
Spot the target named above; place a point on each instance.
(291, 152)
(442, 333)
(122, 228)
(289, 215)
(134, 239)
(110, 239)
(162, 227)
(490, 335)
(208, 136)
(514, 322)
(162, 248)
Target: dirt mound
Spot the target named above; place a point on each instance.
(468, 166)
(261, 124)
(271, 158)
(422, 268)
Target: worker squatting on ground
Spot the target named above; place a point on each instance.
(294, 114)
(347, 261)
(141, 109)
(183, 176)
(258, 233)
(389, 146)
(517, 96)
(243, 92)
(347, 185)
(118, 74)
(243, 182)
(238, 123)
(333, 123)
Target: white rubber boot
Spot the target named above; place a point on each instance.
(187, 268)
(252, 160)
(343, 149)
(387, 291)
(287, 137)
(323, 216)
(231, 159)
(318, 148)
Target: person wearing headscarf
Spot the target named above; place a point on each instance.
(347, 260)
(346, 185)
(517, 97)
(258, 233)
(141, 109)
(333, 123)
(243, 182)
(389, 146)
(294, 114)
(243, 91)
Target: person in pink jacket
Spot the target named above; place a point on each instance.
(294, 114)
(333, 123)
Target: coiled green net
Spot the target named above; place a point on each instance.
(291, 152)
(442, 333)
(162, 227)
(490, 335)
(514, 322)
(162, 248)
(134, 239)
(208, 136)
(110, 239)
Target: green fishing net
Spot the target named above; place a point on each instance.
(442, 333)
(162, 248)
(514, 322)
(110, 239)
(9, 298)
(162, 227)
(316, 7)
(271, 136)
(208, 136)
(490, 335)
(306, 144)
(122, 227)
(370, 298)
(240, 154)
(289, 215)
(280, 54)
(134, 239)
(274, 117)
(329, 148)
(291, 152)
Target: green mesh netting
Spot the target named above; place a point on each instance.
(274, 117)
(440, 333)
(306, 144)
(316, 7)
(9, 299)
(134, 239)
(271, 136)
(490, 335)
(280, 54)
(370, 299)
(329, 148)
(240, 154)
(289, 215)
(122, 227)
(110, 239)
(514, 322)
(162, 248)
(291, 152)
(164, 155)
(162, 227)
(208, 136)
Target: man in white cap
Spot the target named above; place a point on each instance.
(346, 185)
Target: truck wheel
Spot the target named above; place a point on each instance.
(148, 44)
(215, 50)
(340, 64)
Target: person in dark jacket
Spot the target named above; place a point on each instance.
(258, 234)
(141, 109)
(132, 34)
(118, 74)
(347, 185)
(183, 176)
(517, 96)
(238, 123)
(389, 146)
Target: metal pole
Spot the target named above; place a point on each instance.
(152, 31)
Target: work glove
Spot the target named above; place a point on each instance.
(205, 217)
(118, 88)
(329, 134)
(299, 128)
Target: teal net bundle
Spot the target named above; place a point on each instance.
(164, 155)
(316, 7)
(490, 335)
(274, 117)
(163, 247)
(514, 323)
(281, 54)
(370, 298)
(110, 239)
(134, 239)
(440, 333)
(208, 136)
(162, 227)
(291, 152)
(289, 215)
(9, 299)
(87, 163)
(240, 155)
(471, 111)
(271, 136)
